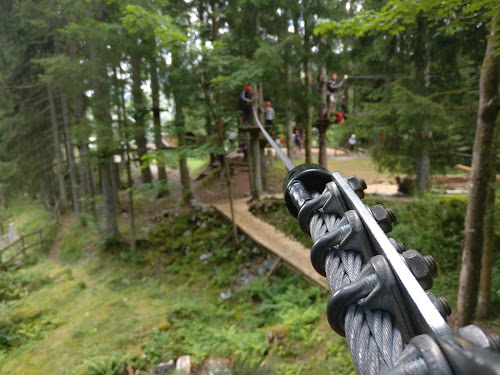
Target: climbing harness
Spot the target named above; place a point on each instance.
(379, 300)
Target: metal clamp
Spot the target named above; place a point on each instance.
(376, 288)
(350, 236)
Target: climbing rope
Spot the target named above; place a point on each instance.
(373, 341)
(379, 297)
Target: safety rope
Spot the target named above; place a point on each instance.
(373, 341)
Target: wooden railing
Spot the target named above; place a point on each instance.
(29, 240)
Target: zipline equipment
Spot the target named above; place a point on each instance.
(379, 303)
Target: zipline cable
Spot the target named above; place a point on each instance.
(373, 341)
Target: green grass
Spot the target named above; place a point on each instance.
(26, 215)
(94, 315)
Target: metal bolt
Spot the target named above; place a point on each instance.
(358, 185)
(397, 245)
(431, 263)
(384, 217)
(419, 267)
(443, 306)
(494, 341)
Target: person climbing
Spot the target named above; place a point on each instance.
(269, 113)
(333, 90)
(244, 105)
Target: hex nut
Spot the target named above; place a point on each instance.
(384, 217)
(358, 185)
(419, 268)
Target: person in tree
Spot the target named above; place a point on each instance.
(333, 91)
(269, 113)
(244, 105)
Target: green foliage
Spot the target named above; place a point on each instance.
(394, 122)
(433, 225)
(16, 284)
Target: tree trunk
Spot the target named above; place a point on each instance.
(480, 176)
(139, 116)
(257, 167)
(155, 98)
(57, 149)
(263, 164)
(323, 144)
(251, 163)
(323, 122)
(71, 157)
(307, 89)
(122, 121)
(288, 112)
(104, 137)
(423, 166)
(187, 194)
(484, 301)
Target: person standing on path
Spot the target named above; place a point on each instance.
(352, 142)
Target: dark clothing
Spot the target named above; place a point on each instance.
(244, 105)
(331, 88)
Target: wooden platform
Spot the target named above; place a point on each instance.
(292, 253)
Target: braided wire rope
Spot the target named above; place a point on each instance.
(373, 341)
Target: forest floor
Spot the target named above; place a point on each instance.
(347, 163)
(89, 309)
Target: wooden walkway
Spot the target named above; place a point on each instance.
(292, 253)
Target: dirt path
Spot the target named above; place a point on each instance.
(66, 220)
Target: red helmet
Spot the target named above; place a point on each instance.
(340, 117)
(248, 88)
(268, 104)
(334, 75)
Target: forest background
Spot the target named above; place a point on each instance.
(82, 82)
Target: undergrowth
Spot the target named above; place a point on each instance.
(109, 309)
(432, 225)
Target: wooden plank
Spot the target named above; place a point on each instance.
(292, 253)
(462, 167)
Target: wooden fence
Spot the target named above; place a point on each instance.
(29, 240)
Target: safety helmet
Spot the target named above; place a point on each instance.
(334, 75)
(248, 88)
(268, 104)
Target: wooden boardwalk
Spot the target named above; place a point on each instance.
(292, 253)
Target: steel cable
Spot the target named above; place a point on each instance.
(373, 341)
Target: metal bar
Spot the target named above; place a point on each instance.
(284, 158)
(427, 317)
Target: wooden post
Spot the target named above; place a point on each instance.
(250, 162)
(263, 163)
(255, 146)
